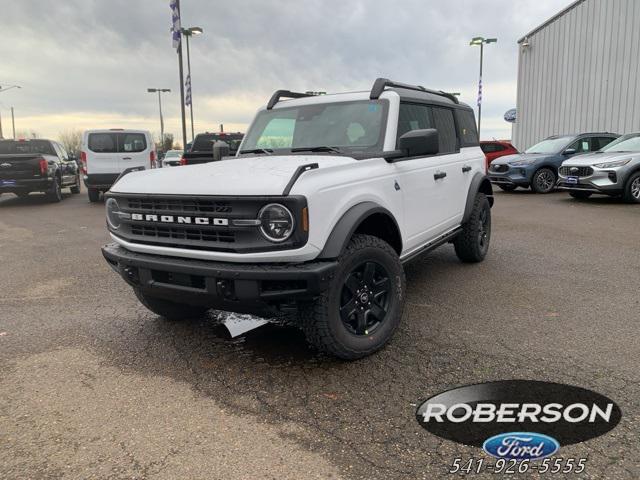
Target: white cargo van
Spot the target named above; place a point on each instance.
(107, 153)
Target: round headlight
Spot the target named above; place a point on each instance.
(113, 213)
(276, 222)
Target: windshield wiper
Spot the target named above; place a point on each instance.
(317, 149)
(268, 151)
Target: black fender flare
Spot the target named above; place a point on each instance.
(348, 224)
(479, 183)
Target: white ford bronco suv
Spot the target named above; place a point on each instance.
(325, 200)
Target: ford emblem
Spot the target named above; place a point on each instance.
(521, 446)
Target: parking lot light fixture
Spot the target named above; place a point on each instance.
(160, 91)
(4, 88)
(481, 41)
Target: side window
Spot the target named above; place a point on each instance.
(56, 148)
(600, 142)
(103, 142)
(581, 146)
(492, 147)
(446, 126)
(468, 132)
(413, 117)
(64, 153)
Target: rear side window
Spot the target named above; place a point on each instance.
(492, 147)
(132, 142)
(468, 132)
(103, 142)
(600, 142)
(446, 126)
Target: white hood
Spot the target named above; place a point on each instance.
(264, 175)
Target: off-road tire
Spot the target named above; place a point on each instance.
(580, 195)
(54, 195)
(94, 195)
(76, 188)
(472, 244)
(321, 319)
(507, 188)
(170, 310)
(544, 180)
(631, 192)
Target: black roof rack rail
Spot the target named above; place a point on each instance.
(275, 98)
(381, 83)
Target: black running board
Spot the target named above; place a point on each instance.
(433, 244)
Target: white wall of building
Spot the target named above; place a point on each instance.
(580, 72)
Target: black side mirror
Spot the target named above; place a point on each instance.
(220, 150)
(420, 142)
(570, 151)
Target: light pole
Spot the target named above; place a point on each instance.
(160, 91)
(189, 32)
(481, 41)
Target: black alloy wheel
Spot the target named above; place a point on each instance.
(364, 300)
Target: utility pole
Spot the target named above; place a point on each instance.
(160, 91)
(184, 123)
(1, 137)
(13, 124)
(187, 33)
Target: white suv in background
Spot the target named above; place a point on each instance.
(107, 153)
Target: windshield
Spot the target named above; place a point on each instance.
(626, 143)
(42, 147)
(173, 153)
(550, 145)
(346, 127)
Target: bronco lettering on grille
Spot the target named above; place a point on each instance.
(180, 219)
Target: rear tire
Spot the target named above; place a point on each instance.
(472, 244)
(631, 192)
(170, 310)
(362, 308)
(507, 188)
(543, 181)
(54, 194)
(94, 195)
(580, 195)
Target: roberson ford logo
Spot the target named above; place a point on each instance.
(519, 419)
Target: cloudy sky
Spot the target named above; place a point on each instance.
(87, 63)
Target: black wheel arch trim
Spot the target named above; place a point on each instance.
(479, 183)
(348, 224)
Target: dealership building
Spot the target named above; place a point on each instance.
(579, 71)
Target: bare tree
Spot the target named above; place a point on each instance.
(71, 140)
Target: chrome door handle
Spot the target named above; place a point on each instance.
(439, 175)
(466, 169)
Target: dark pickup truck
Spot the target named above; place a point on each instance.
(37, 166)
(202, 148)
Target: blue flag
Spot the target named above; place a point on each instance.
(176, 30)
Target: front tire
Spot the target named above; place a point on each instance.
(631, 192)
(362, 308)
(94, 195)
(472, 244)
(580, 195)
(170, 310)
(543, 181)
(76, 188)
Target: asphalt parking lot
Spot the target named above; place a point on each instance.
(94, 386)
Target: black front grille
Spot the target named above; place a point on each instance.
(576, 171)
(180, 233)
(179, 205)
(175, 221)
(499, 168)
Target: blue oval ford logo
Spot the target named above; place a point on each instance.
(521, 446)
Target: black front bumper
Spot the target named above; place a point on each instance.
(236, 287)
